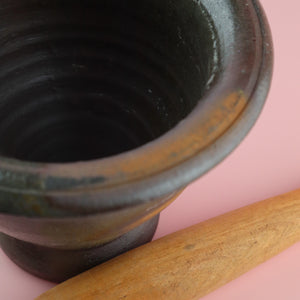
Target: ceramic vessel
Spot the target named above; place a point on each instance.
(109, 109)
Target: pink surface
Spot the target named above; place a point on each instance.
(266, 164)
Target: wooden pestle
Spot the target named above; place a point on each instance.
(195, 261)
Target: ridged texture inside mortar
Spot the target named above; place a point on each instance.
(81, 80)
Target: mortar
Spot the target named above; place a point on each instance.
(108, 110)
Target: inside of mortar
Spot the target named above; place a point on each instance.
(84, 80)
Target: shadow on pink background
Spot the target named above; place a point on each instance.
(267, 163)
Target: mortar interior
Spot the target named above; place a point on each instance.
(90, 79)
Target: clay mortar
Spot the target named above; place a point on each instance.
(108, 109)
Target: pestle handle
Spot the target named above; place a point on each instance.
(195, 261)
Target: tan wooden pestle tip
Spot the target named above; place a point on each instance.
(195, 261)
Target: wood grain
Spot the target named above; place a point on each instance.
(193, 262)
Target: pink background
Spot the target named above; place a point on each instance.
(266, 164)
